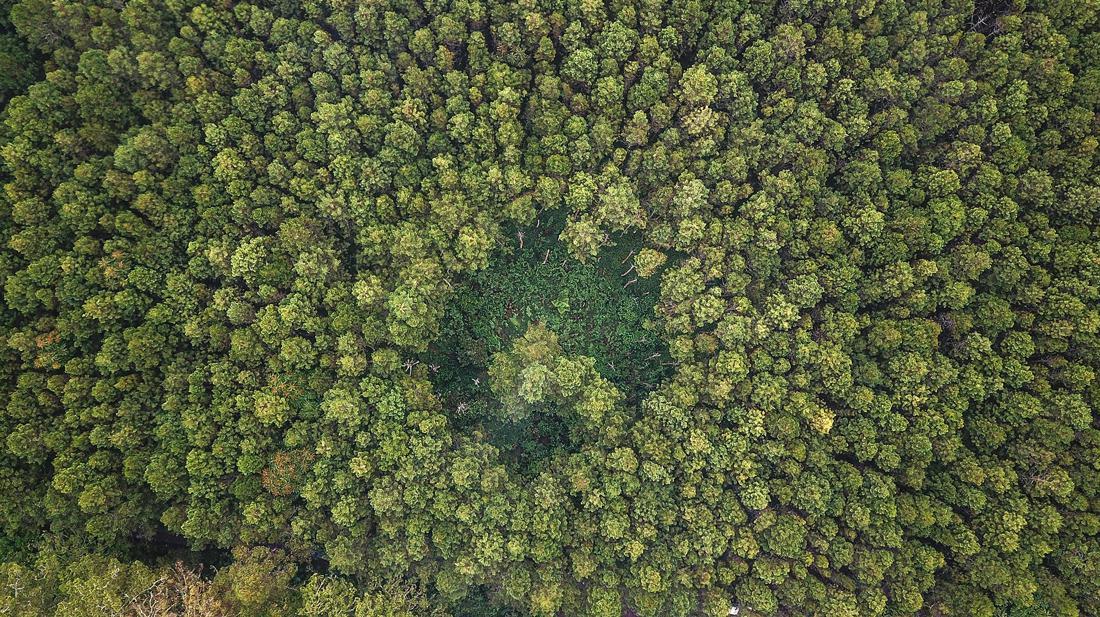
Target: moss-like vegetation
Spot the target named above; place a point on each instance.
(600, 309)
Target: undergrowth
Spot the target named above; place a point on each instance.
(599, 309)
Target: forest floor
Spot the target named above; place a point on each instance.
(600, 309)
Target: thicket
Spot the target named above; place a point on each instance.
(555, 308)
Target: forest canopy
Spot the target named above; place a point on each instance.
(632, 308)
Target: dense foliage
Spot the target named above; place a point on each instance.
(635, 307)
(258, 582)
